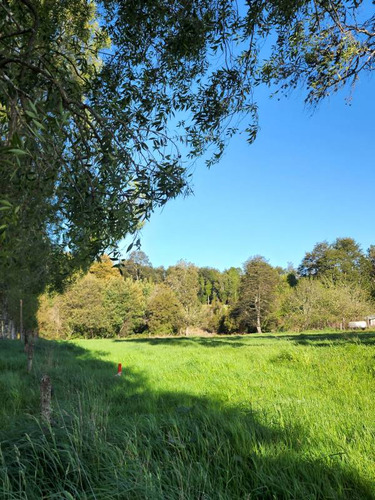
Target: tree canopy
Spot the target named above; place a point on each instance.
(341, 261)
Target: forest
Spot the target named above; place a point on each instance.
(333, 285)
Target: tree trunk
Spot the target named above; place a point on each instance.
(21, 322)
(257, 308)
(259, 328)
(12, 329)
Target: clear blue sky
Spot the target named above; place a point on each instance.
(307, 178)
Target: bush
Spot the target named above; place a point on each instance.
(314, 304)
(217, 318)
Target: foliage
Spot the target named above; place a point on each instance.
(256, 295)
(183, 279)
(107, 303)
(371, 269)
(231, 279)
(94, 307)
(209, 285)
(104, 269)
(321, 46)
(216, 285)
(86, 153)
(217, 318)
(164, 313)
(138, 267)
(320, 304)
(125, 305)
(342, 261)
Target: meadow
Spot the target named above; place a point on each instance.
(227, 417)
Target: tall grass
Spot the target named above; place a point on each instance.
(262, 416)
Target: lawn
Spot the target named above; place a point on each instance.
(257, 416)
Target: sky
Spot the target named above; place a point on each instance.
(308, 177)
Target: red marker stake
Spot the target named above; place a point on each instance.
(119, 370)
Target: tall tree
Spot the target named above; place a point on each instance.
(183, 279)
(257, 293)
(210, 285)
(137, 266)
(85, 150)
(231, 279)
(341, 261)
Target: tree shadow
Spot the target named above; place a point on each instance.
(121, 433)
(329, 339)
(219, 341)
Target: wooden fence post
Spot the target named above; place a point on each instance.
(45, 398)
(29, 349)
(21, 319)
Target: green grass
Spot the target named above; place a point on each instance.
(258, 416)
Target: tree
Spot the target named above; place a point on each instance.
(137, 266)
(320, 45)
(94, 306)
(183, 279)
(103, 269)
(371, 269)
(341, 261)
(124, 303)
(85, 150)
(231, 279)
(165, 314)
(257, 293)
(210, 284)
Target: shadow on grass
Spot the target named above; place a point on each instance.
(327, 339)
(236, 341)
(116, 437)
(233, 341)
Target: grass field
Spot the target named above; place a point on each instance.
(258, 416)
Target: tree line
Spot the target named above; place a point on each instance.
(334, 284)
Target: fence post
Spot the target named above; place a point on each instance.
(45, 398)
(29, 349)
(21, 320)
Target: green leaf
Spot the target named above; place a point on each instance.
(38, 124)
(33, 107)
(31, 114)
(18, 152)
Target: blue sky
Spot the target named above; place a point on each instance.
(308, 177)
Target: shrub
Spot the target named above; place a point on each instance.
(315, 304)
